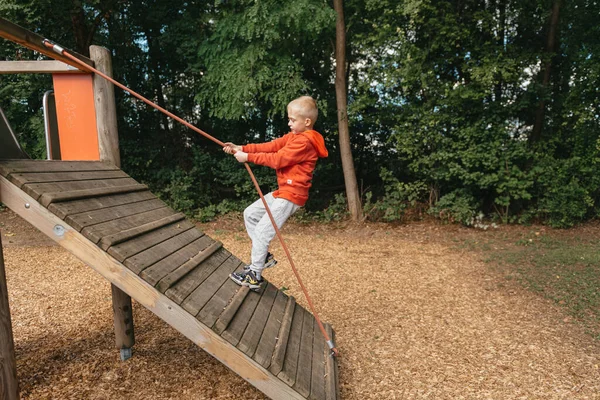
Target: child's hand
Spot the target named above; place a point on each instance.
(241, 156)
(231, 148)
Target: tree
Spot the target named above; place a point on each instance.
(341, 88)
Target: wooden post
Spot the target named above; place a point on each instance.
(108, 142)
(9, 387)
(106, 109)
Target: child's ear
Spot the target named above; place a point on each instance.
(308, 122)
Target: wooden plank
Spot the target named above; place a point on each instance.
(33, 41)
(231, 308)
(202, 294)
(125, 250)
(36, 67)
(290, 365)
(132, 233)
(9, 385)
(11, 166)
(63, 209)
(332, 388)
(94, 217)
(317, 380)
(97, 232)
(238, 324)
(191, 281)
(266, 345)
(49, 198)
(304, 373)
(152, 271)
(144, 294)
(80, 191)
(215, 306)
(254, 330)
(23, 178)
(162, 252)
(41, 188)
(283, 336)
(181, 271)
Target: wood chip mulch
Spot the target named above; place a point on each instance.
(415, 318)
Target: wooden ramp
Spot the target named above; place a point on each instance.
(121, 230)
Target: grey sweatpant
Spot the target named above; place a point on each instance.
(260, 229)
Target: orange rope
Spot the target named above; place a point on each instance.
(86, 67)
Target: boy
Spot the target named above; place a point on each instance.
(294, 157)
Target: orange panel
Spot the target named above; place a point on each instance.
(76, 116)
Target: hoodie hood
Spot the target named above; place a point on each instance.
(317, 141)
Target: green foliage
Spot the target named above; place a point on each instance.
(398, 197)
(443, 97)
(457, 206)
(256, 59)
(336, 211)
(569, 191)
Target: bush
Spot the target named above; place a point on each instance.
(398, 197)
(457, 206)
(568, 191)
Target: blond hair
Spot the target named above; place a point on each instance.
(306, 107)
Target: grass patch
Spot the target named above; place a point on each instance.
(563, 268)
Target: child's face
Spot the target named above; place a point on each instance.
(297, 123)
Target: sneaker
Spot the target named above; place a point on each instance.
(247, 278)
(270, 261)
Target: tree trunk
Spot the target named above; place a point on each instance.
(536, 132)
(354, 203)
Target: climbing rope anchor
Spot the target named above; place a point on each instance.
(60, 50)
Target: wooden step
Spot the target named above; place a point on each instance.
(283, 336)
(128, 234)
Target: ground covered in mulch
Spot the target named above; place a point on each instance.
(416, 317)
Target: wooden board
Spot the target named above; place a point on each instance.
(202, 294)
(127, 249)
(215, 306)
(163, 251)
(22, 178)
(154, 272)
(290, 365)
(332, 389)
(304, 373)
(97, 232)
(52, 189)
(88, 218)
(317, 381)
(176, 275)
(254, 330)
(231, 308)
(182, 289)
(238, 324)
(283, 336)
(266, 345)
(10, 166)
(132, 233)
(66, 208)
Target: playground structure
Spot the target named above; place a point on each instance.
(146, 250)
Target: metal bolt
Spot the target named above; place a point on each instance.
(27, 205)
(59, 230)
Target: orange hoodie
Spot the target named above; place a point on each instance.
(294, 157)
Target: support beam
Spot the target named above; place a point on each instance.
(9, 388)
(36, 67)
(33, 41)
(106, 108)
(108, 144)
